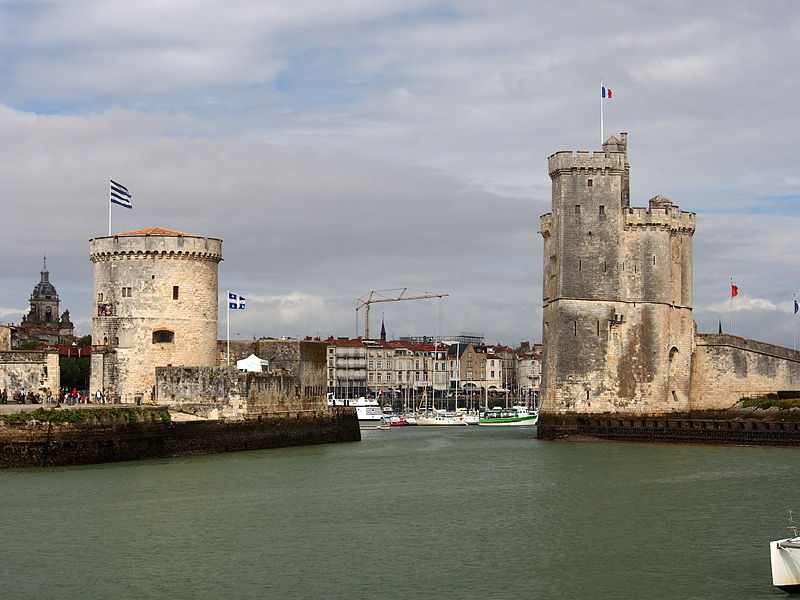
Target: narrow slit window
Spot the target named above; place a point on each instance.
(577, 209)
(575, 328)
(580, 265)
(601, 209)
(175, 291)
(588, 183)
(598, 329)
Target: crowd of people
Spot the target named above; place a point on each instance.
(66, 396)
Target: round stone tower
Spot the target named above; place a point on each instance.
(155, 304)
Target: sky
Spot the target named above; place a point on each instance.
(342, 147)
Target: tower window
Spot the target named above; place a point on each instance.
(601, 209)
(126, 292)
(580, 265)
(575, 328)
(163, 336)
(100, 297)
(588, 183)
(577, 209)
(175, 291)
(654, 259)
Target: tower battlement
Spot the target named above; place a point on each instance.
(670, 218)
(583, 159)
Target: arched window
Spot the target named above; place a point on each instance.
(163, 336)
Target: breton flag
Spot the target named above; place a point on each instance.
(606, 92)
(235, 302)
(796, 306)
(120, 195)
(734, 290)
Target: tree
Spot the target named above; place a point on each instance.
(75, 371)
(85, 340)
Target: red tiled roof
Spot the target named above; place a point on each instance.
(155, 231)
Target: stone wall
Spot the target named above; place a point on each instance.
(762, 428)
(36, 444)
(225, 392)
(31, 370)
(726, 368)
(5, 338)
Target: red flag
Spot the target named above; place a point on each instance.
(734, 290)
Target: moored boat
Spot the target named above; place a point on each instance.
(369, 411)
(784, 556)
(508, 417)
(440, 418)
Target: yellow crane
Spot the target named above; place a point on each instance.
(379, 296)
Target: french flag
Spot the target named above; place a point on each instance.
(606, 92)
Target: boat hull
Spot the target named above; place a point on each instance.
(512, 422)
(441, 421)
(785, 564)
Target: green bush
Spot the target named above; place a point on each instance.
(771, 401)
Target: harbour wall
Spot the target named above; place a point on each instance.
(727, 368)
(117, 435)
(769, 427)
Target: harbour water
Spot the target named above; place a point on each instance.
(425, 512)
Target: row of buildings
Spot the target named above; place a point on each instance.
(360, 367)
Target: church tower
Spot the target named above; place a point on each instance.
(44, 300)
(617, 293)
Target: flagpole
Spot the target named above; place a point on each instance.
(228, 324)
(794, 314)
(109, 213)
(730, 311)
(601, 113)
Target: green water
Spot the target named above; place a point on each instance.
(420, 512)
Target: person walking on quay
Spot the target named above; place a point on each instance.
(4, 396)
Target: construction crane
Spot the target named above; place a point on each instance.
(378, 296)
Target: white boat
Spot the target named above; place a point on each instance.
(440, 418)
(369, 411)
(784, 556)
(515, 416)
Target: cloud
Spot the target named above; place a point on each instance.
(341, 148)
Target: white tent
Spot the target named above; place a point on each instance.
(253, 364)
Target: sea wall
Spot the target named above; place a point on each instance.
(113, 436)
(745, 427)
(727, 368)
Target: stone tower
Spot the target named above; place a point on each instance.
(156, 298)
(618, 329)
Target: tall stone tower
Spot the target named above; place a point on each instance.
(618, 329)
(155, 305)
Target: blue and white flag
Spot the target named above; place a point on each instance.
(235, 302)
(120, 195)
